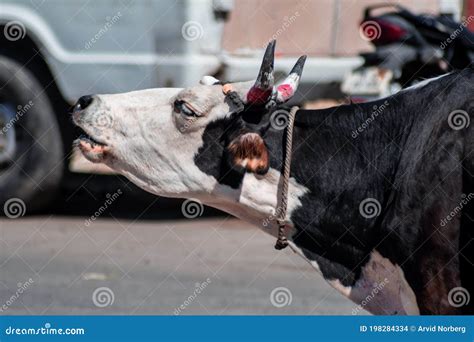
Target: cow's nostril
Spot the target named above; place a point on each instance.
(83, 103)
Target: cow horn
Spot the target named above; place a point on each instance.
(286, 89)
(262, 89)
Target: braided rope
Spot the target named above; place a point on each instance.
(282, 240)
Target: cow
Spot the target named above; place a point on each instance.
(381, 194)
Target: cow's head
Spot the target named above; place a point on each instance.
(192, 142)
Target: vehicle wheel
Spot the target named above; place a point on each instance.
(31, 151)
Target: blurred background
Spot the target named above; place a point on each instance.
(76, 238)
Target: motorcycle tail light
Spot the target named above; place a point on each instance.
(381, 32)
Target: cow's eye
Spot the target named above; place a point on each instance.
(183, 108)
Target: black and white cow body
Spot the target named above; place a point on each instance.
(410, 160)
(369, 195)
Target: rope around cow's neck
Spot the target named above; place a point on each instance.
(282, 240)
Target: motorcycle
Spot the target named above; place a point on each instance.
(408, 49)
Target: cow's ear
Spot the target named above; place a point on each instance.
(209, 80)
(248, 151)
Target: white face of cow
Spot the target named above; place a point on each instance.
(152, 136)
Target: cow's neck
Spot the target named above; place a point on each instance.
(324, 155)
(257, 199)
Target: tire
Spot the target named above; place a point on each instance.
(31, 150)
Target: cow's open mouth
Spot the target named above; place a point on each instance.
(84, 138)
(91, 147)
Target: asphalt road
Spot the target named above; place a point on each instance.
(153, 267)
